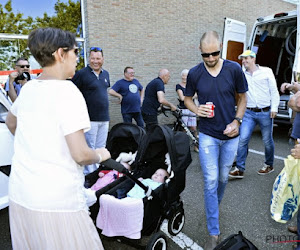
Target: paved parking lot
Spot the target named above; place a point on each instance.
(245, 206)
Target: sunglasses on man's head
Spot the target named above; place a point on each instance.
(216, 53)
(96, 49)
(23, 66)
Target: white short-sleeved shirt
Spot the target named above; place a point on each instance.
(44, 176)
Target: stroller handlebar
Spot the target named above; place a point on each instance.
(113, 164)
(163, 109)
(110, 163)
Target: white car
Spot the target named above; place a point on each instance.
(6, 149)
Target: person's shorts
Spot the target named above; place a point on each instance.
(189, 118)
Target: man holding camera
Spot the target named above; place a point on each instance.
(17, 78)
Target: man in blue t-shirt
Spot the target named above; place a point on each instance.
(216, 81)
(154, 97)
(130, 93)
(93, 82)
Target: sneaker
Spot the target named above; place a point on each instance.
(196, 149)
(265, 170)
(235, 173)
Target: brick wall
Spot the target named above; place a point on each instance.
(153, 34)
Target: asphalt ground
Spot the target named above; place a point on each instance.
(245, 207)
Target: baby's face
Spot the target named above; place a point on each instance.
(159, 176)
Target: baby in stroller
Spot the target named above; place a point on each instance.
(130, 218)
(130, 209)
(156, 180)
(108, 176)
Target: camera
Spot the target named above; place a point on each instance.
(23, 76)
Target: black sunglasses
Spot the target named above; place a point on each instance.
(216, 53)
(23, 66)
(96, 49)
(76, 50)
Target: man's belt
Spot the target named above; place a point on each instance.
(265, 109)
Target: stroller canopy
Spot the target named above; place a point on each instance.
(161, 140)
(124, 137)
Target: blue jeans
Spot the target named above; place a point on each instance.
(137, 116)
(250, 120)
(216, 158)
(96, 138)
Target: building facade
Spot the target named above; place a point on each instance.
(153, 34)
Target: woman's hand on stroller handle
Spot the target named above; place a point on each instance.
(112, 164)
(103, 153)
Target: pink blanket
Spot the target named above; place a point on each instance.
(120, 217)
(105, 180)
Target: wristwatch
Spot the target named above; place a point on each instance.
(238, 119)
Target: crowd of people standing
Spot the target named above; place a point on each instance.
(227, 99)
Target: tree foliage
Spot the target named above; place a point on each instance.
(67, 17)
(13, 23)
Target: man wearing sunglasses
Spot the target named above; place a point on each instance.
(131, 94)
(216, 81)
(17, 79)
(93, 82)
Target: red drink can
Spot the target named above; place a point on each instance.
(212, 106)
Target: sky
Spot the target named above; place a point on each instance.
(33, 8)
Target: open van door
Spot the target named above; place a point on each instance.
(296, 66)
(234, 39)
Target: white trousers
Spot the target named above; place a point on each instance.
(96, 138)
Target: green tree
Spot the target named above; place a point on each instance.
(67, 17)
(13, 24)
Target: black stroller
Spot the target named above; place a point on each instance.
(164, 202)
(123, 137)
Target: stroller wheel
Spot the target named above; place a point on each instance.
(176, 223)
(158, 241)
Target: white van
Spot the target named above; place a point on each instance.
(6, 149)
(274, 39)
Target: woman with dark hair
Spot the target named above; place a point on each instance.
(47, 201)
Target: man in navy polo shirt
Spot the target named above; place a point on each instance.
(93, 82)
(130, 93)
(154, 97)
(216, 80)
